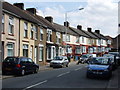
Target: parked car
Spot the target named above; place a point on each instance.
(59, 61)
(113, 60)
(19, 65)
(117, 55)
(85, 58)
(99, 67)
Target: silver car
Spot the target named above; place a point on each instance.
(59, 61)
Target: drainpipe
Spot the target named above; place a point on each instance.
(19, 40)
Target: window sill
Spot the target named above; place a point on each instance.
(26, 37)
(3, 32)
(11, 34)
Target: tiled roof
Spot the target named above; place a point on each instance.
(90, 34)
(23, 14)
(63, 29)
(80, 32)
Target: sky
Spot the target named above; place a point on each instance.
(98, 14)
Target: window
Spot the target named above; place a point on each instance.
(83, 49)
(77, 39)
(49, 35)
(68, 38)
(3, 23)
(57, 37)
(89, 41)
(101, 41)
(82, 39)
(32, 32)
(25, 29)
(41, 54)
(36, 33)
(41, 34)
(94, 49)
(69, 49)
(11, 25)
(25, 50)
(10, 49)
(78, 50)
(90, 50)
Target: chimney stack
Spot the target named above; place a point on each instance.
(97, 31)
(19, 5)
(31, 10)
(79, 27)
(66, 24)
(49, 18)
(89, 29)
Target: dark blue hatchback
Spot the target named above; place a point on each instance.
(99, 67)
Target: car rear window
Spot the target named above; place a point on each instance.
(11, 59)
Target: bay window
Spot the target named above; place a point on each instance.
(10, 49)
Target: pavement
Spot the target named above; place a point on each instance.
(42, 68)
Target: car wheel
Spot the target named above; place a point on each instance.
(23, 72)
(67, 65)
(36, 70)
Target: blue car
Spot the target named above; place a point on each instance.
(99, 67)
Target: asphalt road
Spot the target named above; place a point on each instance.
(70, 77)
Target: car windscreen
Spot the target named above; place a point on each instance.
(11, 59)
(100, 61)
(58, 58)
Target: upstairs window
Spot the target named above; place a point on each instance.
(68, 38)
(58, 37)
(36, 33)
(3, 20)
(32, 31)
(41, 34)
(83, 40)
(25, 29)
(11, 25)
(77, 39)
(49, 35)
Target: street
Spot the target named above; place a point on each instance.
(70, 77)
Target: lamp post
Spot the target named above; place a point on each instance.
(66, 24)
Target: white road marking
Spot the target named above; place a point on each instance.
(63, 74)
(35, 85)
(78, 68)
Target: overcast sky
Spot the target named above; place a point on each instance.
(97, 14)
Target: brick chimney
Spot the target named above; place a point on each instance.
(49, 18)
(79, 27)
(97, 31)
(66, 24)
(19, 5)
(89, 29)
(31, 10)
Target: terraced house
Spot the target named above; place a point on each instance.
(27, 34)
(10, 33)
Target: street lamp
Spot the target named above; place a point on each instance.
(66, 24)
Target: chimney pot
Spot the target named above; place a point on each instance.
(19, 5)
(97, 31)
(66, 24)
(89, 29)
(79, 27)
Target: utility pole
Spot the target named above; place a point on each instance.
(0, 44)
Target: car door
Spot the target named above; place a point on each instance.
(31, 65)
(23, 63)
(66, 60)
